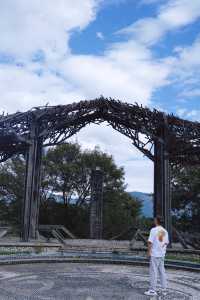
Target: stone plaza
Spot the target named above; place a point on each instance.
(83, 281)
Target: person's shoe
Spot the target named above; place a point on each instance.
(150, 293)
(163, 292)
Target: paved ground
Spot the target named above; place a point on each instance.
(78, 281)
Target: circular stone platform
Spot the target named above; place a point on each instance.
(81, 281)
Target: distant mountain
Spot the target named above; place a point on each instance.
(147, 202)
(146, 199)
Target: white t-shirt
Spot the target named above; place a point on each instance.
(159, 238)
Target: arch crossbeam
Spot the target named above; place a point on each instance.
(140, 124)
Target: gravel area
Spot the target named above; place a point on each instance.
(81, 281)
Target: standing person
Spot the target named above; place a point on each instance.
(157, 244)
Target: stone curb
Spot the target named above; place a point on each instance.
(77, 257)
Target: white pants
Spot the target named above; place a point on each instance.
(157, 268)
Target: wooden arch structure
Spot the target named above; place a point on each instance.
(165, 139)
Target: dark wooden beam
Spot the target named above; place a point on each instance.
(96, 205)
(32, 187)
(162, 193)
(58, 123)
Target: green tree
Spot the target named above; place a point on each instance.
(186, 198)
(61, 171)
(68, 171)
(120, 213)
(66, 189)
(12, 174)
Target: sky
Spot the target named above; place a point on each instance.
(64, 51)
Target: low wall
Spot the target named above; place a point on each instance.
(91, 246)
(28, 248)
(86, 245)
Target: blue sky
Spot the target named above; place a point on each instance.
(111, 18)
(62, 51)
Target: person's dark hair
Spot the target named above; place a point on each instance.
(160, 220)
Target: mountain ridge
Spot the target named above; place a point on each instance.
(147, 202)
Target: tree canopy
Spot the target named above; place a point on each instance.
(65, 190)
(186, 198)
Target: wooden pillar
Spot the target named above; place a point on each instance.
(96, 205)
(32, 186)
(162, 192)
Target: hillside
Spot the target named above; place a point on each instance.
(147, 201)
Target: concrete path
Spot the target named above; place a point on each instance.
(81, 281)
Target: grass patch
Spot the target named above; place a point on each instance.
(184, 258)
(39, 249)
(14, 252)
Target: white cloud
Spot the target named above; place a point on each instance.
(172, 15)
(193, 114)
(191, 93)
(147, 2)
(140, 175)
(126, 71)
(113, 2)
(185, 71)
(21, 89)
(189, 56)
(181, 112)
(26, 26)
(100, 35)
(125, 155)
(178, 13)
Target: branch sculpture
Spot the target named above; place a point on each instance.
(55, 124)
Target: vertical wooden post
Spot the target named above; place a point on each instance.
(167, 196)
(158, 178)
(162, 193)
(32, 186)
(96, 206)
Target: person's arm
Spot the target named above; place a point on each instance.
(149, 246)
(167, 240)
